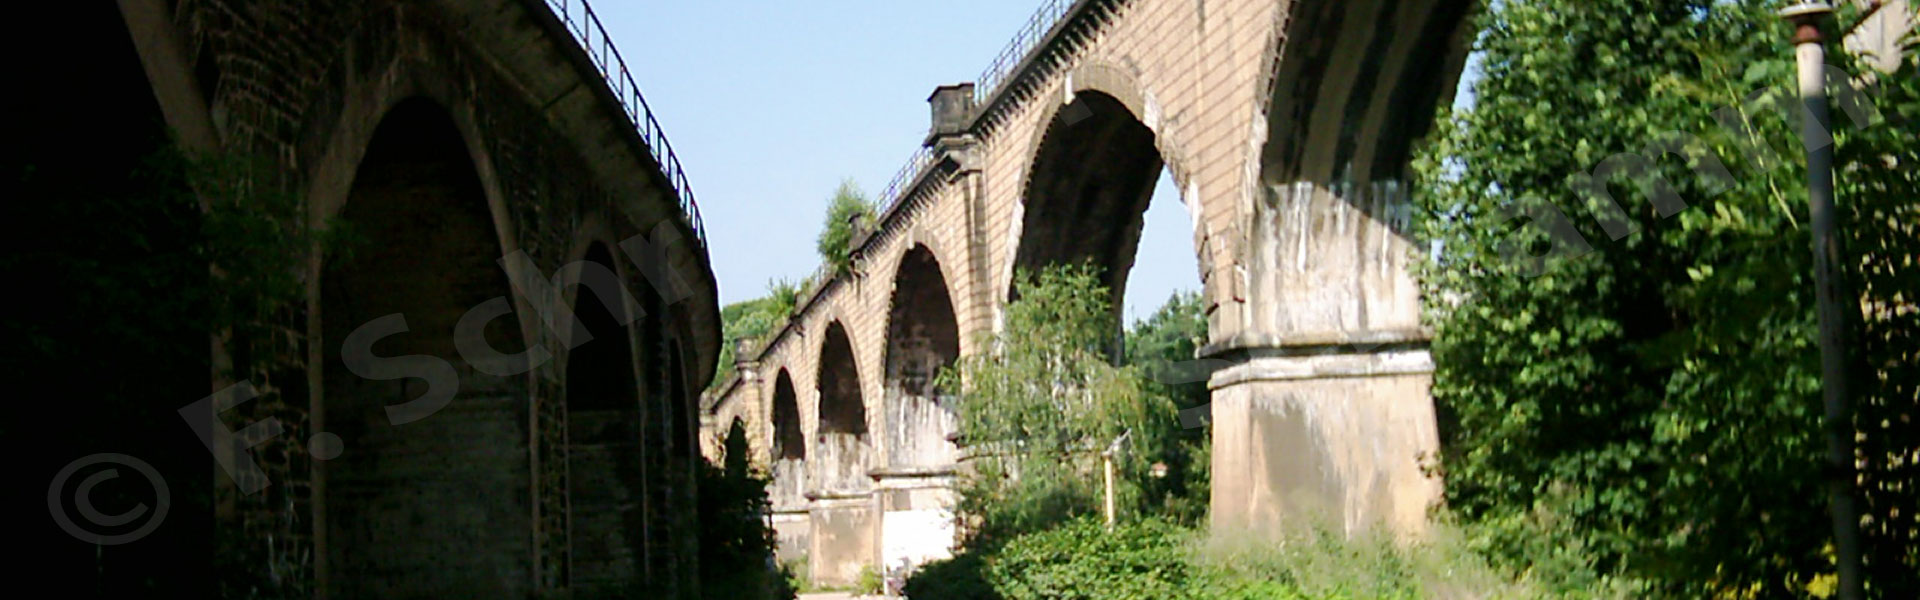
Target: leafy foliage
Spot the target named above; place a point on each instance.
(1046, 402)
(750, 320)
(849, 210)
(1170, 337)
(736, 541)
(1158, 559)
(1639, 391)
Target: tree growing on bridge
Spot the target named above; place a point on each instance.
(1645, 399)
(847, 212)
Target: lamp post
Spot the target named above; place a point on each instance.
(1829, 290)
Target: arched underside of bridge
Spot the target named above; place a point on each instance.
(786, 493)
(841, 515)
(441, 504)
(789, 442)
(605, 478)
(913, 491)
(841, 444)
(1087, 190)
(923, 337)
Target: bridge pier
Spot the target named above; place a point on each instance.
(916, 515)
(843, 534)
(1324, 417)
(1327, 436)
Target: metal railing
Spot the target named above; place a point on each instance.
(579, 18)
(1036, 29)
(1043, 21)
(907, 173)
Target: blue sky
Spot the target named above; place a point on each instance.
(771, 104)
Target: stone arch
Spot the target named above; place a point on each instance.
(923, 337)
(841, 445)
(789, 442)
(605, 479)
(365, 101)
(1120, 94)
(1089, 180)
(789, 446)
(1328, 244)
(429, 506)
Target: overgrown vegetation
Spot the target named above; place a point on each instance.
(1152, 558)
(1644, 401)
(1043, 406)
(848, 212)
(736, 540)
(752, 320)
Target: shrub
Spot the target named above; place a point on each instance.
(1160, 559)
(963, 577)
(1082, 559)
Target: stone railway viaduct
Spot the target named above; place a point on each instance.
(491, 155)
(1286, 124)
(496, 161)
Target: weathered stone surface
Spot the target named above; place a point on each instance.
(1286, 125)
(454, 133)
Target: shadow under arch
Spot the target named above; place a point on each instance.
(1087, 190)
(789, 442)
(923, 337)
(789, 446)
(605, 477)
(841, 448)
(440, 505)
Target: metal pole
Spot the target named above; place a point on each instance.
(1829, 291)
(1108, 458)
(1107, 466)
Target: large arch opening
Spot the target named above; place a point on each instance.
(1090, 183)
(605, 480)
(734, 450)
(841, 446)
(437, 506)
(923, 337)
(789, 444)
(1099, 194)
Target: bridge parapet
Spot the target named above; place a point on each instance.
(580, 19)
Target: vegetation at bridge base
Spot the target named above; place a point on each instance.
(736, 540)
(1039, 410)
(1050, 397)
(1650, 409)
(1158, 559)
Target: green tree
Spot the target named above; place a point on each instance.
(1642, 397)
(1162, 347)
(736, 540)
(750, 320)
(847, 211)
(1045, 403)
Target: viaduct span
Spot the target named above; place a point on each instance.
(1286, 124)
(496, 163)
